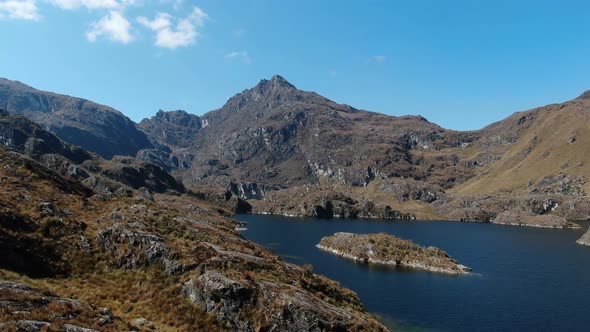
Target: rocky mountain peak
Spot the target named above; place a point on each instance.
(276, 84)
(174, 128)
(267, 94)
(281, 81)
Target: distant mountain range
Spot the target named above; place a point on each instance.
(274, 141)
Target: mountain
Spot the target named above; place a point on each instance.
(278, 136)
(92, 126)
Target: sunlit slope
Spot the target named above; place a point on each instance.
(533, 145)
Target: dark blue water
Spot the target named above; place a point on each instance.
(526, 279)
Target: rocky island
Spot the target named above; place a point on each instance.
(585, 239)
(386, 249)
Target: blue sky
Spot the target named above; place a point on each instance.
(461, 64)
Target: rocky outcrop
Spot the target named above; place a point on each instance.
(130, 246)
(247, 190)
(408, 189)
(585, 239)
(385, 249)
(282, 307)
(141, 174)
(24, 308)
(92, 126)
(167, 159)
(561, 184)
(221, 296)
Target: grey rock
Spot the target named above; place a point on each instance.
(283, 307)
(130, 247)
(225, 298)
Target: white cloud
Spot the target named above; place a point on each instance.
(169, 36)
(90, 4)
(170, 31)
(113, 26)
(243, 55)
(19, 9)
(198, 16)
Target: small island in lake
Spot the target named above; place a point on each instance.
(386, 249)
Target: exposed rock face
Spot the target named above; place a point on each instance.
(137, 175)
(412, 190)
(173, 128)
(166, 159)
(585, 239)
(386, 249)
(247, 190)
(131, 247)
(285, 307)
(92, 126)
(25, 308)
(224, 297)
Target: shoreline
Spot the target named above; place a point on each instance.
(574, 226)
(418, 266)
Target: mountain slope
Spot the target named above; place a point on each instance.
(21, 135)
(92, 126)
(536, 150)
